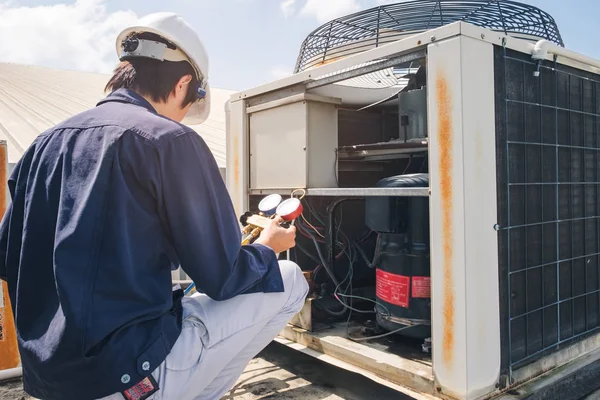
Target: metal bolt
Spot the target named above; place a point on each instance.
(483, 36)
(433, 38)
(304, 148)
(125, 378)
(496, 227)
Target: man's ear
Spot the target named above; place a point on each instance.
(181, 88)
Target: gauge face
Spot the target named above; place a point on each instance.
(269, 204)
(290, 209)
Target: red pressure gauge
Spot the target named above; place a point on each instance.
(269, 204)
(289, 209)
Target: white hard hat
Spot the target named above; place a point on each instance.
(174, 29)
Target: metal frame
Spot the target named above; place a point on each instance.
(378, 66)
(374, 27)
(463, 212)
(352, 192)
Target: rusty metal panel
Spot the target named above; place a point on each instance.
(237, 154)
(447, 217)
(9, 351)
(466, 343)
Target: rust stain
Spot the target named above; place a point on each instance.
(445, 171)
(9, 351)
(325, 62)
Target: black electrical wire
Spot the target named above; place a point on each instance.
(424, 162)
(323, 262)
(333, 313)
(308, 253)
(351, 246)
(370, 263)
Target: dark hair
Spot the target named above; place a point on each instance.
(153, 78)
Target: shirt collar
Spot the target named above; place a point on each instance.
(128, 96)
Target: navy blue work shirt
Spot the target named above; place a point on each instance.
(103, 206)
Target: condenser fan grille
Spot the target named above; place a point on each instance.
(371, 28)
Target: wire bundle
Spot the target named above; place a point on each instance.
(344, 289)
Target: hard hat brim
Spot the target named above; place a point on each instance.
(199, 111)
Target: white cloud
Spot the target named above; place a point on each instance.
(288, 7)
(281, 71)
(325, 11)
(77, 36)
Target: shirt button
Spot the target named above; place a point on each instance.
(146, 366)
(125, 378)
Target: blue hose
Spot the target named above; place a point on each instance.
(189, 288)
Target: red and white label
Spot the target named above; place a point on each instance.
(142, 390)
(392, 288)
(421, 287)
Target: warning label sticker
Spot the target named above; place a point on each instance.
(393, 288)
(421, 287)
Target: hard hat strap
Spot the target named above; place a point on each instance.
(134, 47)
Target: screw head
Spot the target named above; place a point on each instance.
(433, 38)
(483, 36)
(125, 378)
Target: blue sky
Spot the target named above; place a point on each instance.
(250, 42)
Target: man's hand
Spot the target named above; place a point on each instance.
(276, 237)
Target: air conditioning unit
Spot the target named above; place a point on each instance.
(449, 153)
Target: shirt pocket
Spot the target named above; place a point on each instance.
(188, 349)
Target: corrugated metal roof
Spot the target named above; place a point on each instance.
(33, 99)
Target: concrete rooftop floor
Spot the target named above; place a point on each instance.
(282, 373)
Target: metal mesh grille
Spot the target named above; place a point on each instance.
(548, 151)
(371, 28)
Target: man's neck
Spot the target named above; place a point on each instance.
(158, 107)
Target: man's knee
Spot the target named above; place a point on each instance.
(295, 284)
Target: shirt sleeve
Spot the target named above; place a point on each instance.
(203, 225)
